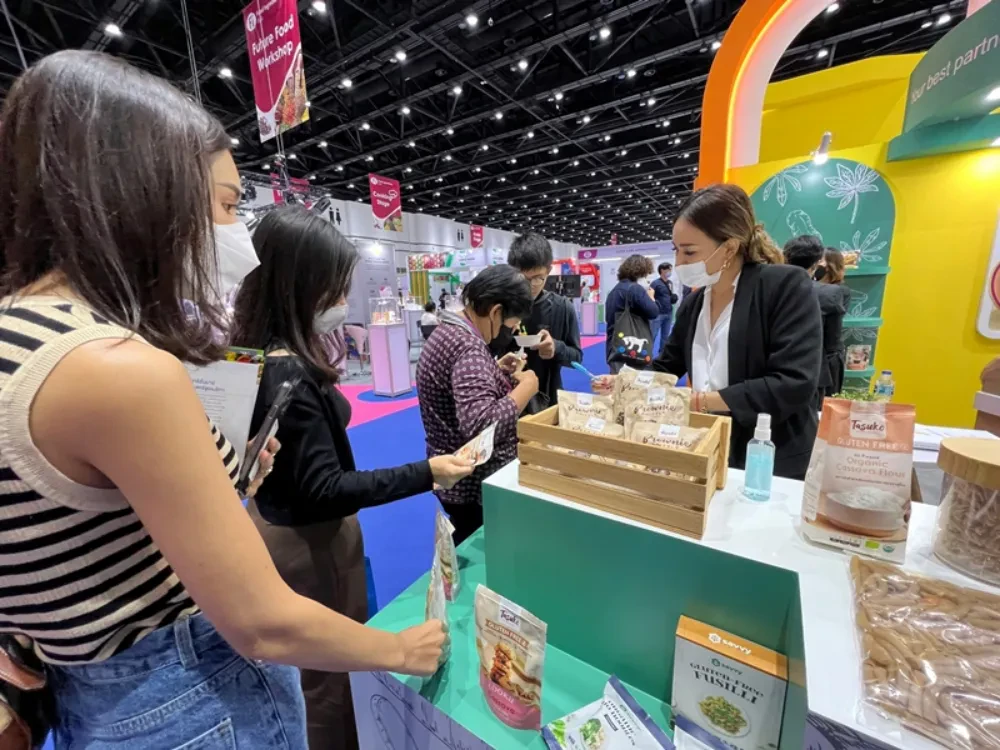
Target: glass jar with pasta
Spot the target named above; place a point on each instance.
(968, 527)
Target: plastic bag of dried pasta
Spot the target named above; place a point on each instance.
(930, 654)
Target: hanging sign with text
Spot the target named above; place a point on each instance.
(276, 65)
(476, 236)
(959, 77)
(387, 206)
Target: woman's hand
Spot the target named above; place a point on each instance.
(450, 470)
(510, 362)
(265, 466)
(422, 647)
(528, 380)
(603, 385)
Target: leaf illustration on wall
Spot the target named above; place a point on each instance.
(780, 183)
(849, 186)
(866, 250)
(858, 309)
(860, 335)
(800, 223)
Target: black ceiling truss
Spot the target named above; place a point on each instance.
(577, 118)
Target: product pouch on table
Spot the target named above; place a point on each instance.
(597, 426)
(479, 450)
(930, 654)
(659, 406)
(858, 484)
(572, 404)
(510, 642)
(615, 722)
(436, 607)
(631, 384)
(445, 555)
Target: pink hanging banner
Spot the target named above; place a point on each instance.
(387, 206)
(276, 66)
(476, 236)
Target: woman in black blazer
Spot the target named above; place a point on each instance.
(307, 515)
(769, 359)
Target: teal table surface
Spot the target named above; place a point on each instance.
(568, 683)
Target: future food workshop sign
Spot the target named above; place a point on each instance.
(959, 76)
(276, 67)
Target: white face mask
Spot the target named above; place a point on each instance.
(331, 320)
(236, 254)
(696, 275)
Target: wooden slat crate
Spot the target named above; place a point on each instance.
(677, 502)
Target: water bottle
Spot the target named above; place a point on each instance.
(760, 461)
(885, 387)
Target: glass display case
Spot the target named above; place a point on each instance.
(412, 303)
(385, 310)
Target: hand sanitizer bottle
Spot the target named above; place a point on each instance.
(760, 461)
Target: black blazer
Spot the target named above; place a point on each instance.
(775, 350)
(315, 479)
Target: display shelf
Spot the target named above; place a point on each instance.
(868, 271)
(450, 707)
(862, 322)
(868, 372)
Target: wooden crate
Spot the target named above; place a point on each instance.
(677, 502)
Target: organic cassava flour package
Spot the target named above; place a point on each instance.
(857, 492)
(728, 693)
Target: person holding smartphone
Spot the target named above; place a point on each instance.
(306, 511)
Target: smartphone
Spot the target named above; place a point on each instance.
(267, 431)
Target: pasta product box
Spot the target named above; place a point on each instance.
(728, 692)
(858, 485)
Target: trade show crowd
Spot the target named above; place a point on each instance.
(159, 609)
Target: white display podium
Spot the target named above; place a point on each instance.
(588, 319)
(390, 356)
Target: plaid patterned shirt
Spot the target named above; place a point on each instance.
(462, 392)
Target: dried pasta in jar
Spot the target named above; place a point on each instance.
(931, 654)
(968, 525)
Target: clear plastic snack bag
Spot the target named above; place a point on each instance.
(930, 654)
(573, 404)
(435, 606)
(615, 722)
(510, 642)
(445, 555)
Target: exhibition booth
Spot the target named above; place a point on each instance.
(883, 637)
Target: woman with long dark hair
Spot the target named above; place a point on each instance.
(831, 278)
(306, 511)
(126, 556)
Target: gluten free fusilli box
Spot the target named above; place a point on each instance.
(728, 693)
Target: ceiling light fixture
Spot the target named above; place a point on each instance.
(944, 19)
(994, 95)
(531, 133)
(339, 167)
(405, 110)
(113, 29)
(447, 157)
(926, 24)
(235, 141)
(323, 144)
(822, 154)
(293, 157)
(604, 33)
(411, 144)
(369, 158)
(560, 96)
(225, 72)
(522, 65)
(823, 53)
(365, 126)
(485, 147)
(456, 90)
(650, 101)
(630, 73)
(832, 8)
(472, 20)
(716, 45)
(498, 115)
(996, 143)
(319, 6)
(400, 55)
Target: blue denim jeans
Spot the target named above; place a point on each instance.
(661, 329)
(181, 687)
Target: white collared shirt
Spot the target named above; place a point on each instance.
(710, 349)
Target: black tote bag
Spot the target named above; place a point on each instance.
(633, 340)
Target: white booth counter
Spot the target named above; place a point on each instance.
(768, 533)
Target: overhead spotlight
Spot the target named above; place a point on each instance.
(555, 149)
(408, 170)
(677, 141)
(477, 170)
(605, 33)
(404, 111)
(235, 141)
(944, 19)
(311, 177)
(607, 139)
(650, 101)
(716, 45)
(411, 144)
(576, 162)
(531, 133)
(560, 96)
(822, 154)
(113, 29)
(630, 73)
(450, 131)
(522, 65)
(586, 119)
(447, 157)
(346, 83)
(994, 95)
(535, 172)
(225, 72)
(823, 53)
(319, 6)
(624, 152)
(832, 8)
(513, 161)
(638, 164)
(400, 55)
(365, 126)
(369, 158)
(323, 144)
(485, 147)
(687, 156)
(498, 115)
(351, 186)
(926, 24)
(268, 166)
(996, 143)
(472, 20)
(293, 157)
(340, 167)
(456, 90)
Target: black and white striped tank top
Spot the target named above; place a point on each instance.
(79, 575)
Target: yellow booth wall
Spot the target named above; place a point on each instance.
(946, 216)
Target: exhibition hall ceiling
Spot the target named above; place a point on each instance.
(576, 118)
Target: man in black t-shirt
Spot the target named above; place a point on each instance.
(552, 316)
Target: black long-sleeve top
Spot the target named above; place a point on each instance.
(315, 478)
(775, 351)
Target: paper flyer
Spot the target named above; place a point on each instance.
(480, 448)
(228, 391)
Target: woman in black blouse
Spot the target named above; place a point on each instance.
(307, 513)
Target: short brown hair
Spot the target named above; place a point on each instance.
(635, 267)
(834, 266)
(724, 212)
(104, 180)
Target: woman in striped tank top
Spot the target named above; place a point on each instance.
(126, 556)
